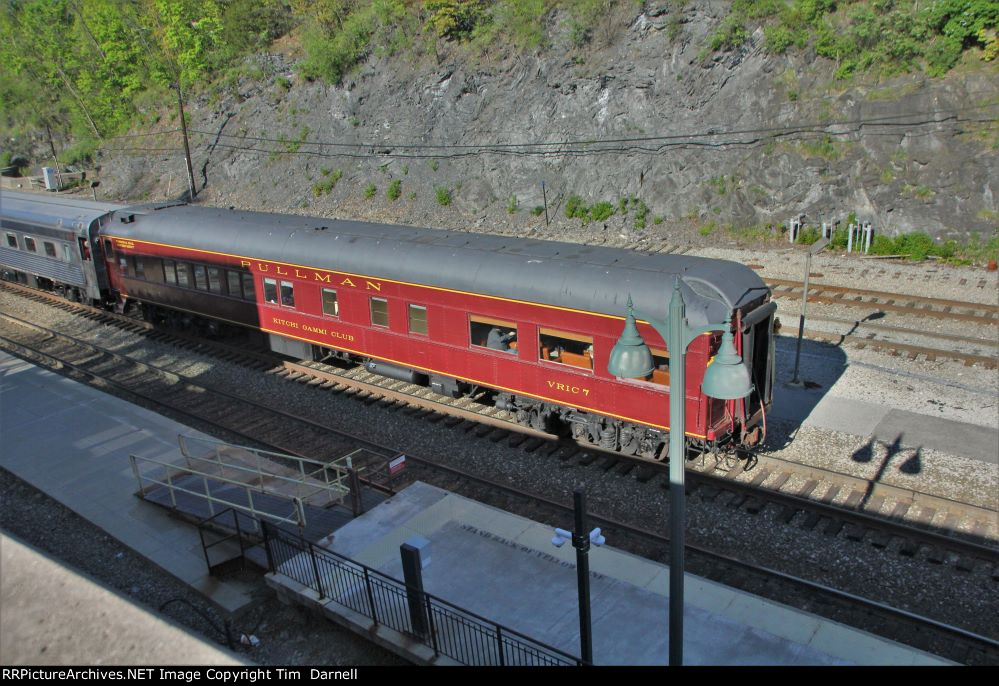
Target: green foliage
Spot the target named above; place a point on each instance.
(328, 183)
(454, 19)
(883, 36)
(443, 196)
(601, 211)
(708, 229)
(394, 190)
(370, 191)
(585, 17)
(433, 164)
(339, 34)
(81, 152)
(538, 210)
(641, 212)
(519, 23)
(189, 34)
(251, 25)
(511, 205)
(808, 235)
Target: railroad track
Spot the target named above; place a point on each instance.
(937, 308)
(867, 511)
(287, 433)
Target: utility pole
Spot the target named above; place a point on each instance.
(187, 147)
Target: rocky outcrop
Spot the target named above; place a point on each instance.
(735, 138)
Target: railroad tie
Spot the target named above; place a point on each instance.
(807, 489)
(451, 420)
(880, 539)
(964, 563)
(516, 438)
(551, 448)
(587, 458)
(625, 468)
(935, 555)
(498, 435)
(533, 444)
(706, 492)
(811, 520)
(780, 481)
(909, 547)
(787, 514)
(736, 500)
(760, 477)
(482, 430)
(855, 532)
(644, 473)
(567, 452)
(833, 527)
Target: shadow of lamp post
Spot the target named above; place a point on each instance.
(726, 378)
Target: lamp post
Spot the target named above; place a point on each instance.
(814, 249)
(726, 378)
(581, 542)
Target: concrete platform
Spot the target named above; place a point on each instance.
(504, 567)
(118, 631)
(866, 419)
(73, 442)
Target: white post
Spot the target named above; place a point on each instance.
(849, 238)
(868, 232)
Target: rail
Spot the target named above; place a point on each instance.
(446, 628)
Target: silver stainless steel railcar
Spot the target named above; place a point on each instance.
(53, 242)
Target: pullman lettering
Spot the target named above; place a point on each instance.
(310, 274)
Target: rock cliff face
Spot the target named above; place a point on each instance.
(736, 138)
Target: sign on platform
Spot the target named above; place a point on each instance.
(397, 464)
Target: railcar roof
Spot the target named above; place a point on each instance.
(49, 209)
(591, 278)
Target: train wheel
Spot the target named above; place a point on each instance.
(630, 442)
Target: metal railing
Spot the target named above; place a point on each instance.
(307, 479)
(150, 472)
(446, 628)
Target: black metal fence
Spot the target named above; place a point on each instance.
(446, 628)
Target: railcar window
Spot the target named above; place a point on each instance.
(123, 265)
(169, 271)
(379, 312)
(29, 244)
(418, 319)
(154, 268)
(331, 306)
(660, 372)
(140, 267)
(12, 241)
(249, 293)
(200, 277)
(564, 347)
(183, 275)
(270, 291)
(288, 293)
(497, 334)
(67, 254)
(215, 279)
(50, 250)
(232, 278)
(108, 249)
